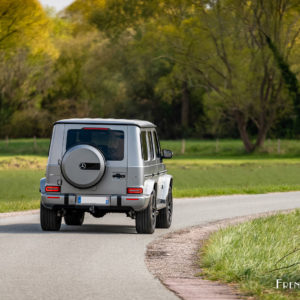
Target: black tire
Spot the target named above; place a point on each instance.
(146, 220)
(74, 218)
(164, 218)
(49, 219)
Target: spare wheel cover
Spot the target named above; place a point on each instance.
(83, 166)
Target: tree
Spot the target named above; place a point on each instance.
(23, 23)
(150, 27)
(26, 52)
(233, 60)
(173, 62)
(23, 82)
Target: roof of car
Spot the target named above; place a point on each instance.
(139, 123)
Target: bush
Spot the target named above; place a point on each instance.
(29, 123)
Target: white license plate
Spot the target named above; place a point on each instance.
(93, 200)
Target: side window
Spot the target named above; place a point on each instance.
(151, 145)
(156, 144)
(144, 145)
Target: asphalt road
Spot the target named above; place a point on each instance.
(104, 259)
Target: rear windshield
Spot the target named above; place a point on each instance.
(110, 142)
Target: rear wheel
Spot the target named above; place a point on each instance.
(49, 219)
(146, 220)
(164, 218)
(74, 218)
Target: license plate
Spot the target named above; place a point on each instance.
(93, 200)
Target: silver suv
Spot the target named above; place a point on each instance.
(103, 166)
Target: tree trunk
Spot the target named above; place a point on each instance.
(185, 106)
(242, 126)
(261, 137)
(246, 140)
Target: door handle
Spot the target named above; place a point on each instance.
(118, 176)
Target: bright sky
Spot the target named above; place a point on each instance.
(58, 4)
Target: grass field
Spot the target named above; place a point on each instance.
(193, 148)
(200, 172)
(255, 254)
(19, 189)
(20, 175)
(237, 178)
(24, 147)
(233, 148)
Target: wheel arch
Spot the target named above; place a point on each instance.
(149, 186)
(163, 184)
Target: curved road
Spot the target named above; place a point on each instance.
(104, 259)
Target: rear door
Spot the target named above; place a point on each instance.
(111, 140)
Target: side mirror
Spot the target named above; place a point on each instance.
(166, 153)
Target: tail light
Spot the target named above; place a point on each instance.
(134, 190)
(52, 189)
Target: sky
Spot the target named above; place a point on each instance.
(58, 4)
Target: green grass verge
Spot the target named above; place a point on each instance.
(24, 147)
(192, 177)
(193, 148)
(248, 255)
(203, 178)
(19, 189)
(227, 148)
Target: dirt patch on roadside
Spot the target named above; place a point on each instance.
(19, 213)
(22, 163)
(173, 259)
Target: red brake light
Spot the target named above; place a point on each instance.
(134, 190)
(53, 189)
(94, 128)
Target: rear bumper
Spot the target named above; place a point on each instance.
(115, 202)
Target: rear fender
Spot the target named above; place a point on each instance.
(148, 186)
(163, 185)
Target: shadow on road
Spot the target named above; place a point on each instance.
(84, 229)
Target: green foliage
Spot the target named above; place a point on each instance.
(255, 254)
(32, 121)
(289, 78)
(23, 23)
(26, 53)
(21, 88)
(203, 66)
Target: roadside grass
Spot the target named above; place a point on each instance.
(193, 148)
(200, 172)
(12, 147)
(192, 180)
(20, 175)
(19, 189)
(255, 254)
(228, 148)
